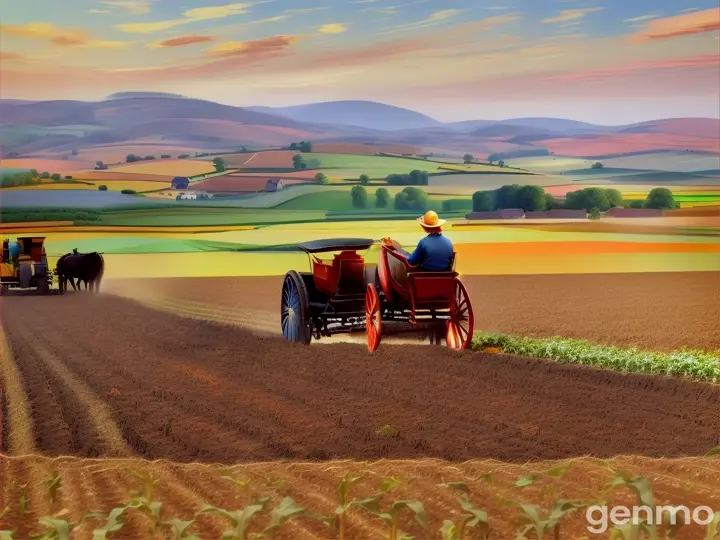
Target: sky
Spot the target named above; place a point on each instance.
(602, 61)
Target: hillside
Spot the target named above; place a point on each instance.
(161, 122)
(367, 114)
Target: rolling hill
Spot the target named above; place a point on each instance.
(161, 122)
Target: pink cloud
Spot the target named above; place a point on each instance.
(701, 61)
(680, 25)
(181, 41)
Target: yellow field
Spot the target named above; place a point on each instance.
(174, 167)
(48, 186)
(137, 185)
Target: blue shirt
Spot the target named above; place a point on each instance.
(433, 253)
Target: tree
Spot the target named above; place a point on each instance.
(45, 175)
(33, 173)
(397, 179)
(597, 165)
(183, 156)
(305, 146)
(149, 158)
(660, 199)
(165, 156)
(588, 198)
(411, 198)
(418, 178)
(56, 177)
(531, 198)
(501, 163)
(594, 214)
(551, 203)
(220, 165)
(507, 196)
(483, 201)
(636, 204)
(468, 158)
(131, 158)
(364, 179)
(382, 198)
(359, 197)
(614, 197)
(102, 188)
(293, 146)
(313, 163)
(321, 178)
(299, 162)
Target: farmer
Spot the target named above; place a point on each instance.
(433, 253)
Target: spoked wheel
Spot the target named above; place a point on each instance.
(459, 329)
(373, 317)
(294, 316)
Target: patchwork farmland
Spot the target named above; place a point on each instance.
(596, 359)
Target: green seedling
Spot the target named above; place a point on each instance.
(559, 471)
(179, 530)
(55, 529)
(240, 519)
(345, 504)
(471, 517)
(113, 524)
(287, 510)
(713, 528)
(386, 431)
(525, 481)
(52, 485)
(148, 482)
(533, 515)
(391, 518)
(154, 510)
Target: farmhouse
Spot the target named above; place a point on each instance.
(274, 184)
(193, 195)
(180, 182)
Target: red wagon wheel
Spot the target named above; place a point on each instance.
(373, 318)
(459, 330)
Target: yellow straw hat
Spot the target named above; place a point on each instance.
(431, 220)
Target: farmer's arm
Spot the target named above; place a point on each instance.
(418, 255)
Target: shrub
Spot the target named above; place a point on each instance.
(660, 199)
(636, 204)
(131, 158)
(219, 164)
(102, 188)
(165, 156)
(359, 197)
(299, 162)
(183, 156)
(45, 175)
(321, 178)
(364, 179)
(531, 198)
(382, 198)
(585, 199)
(149, 158)
(597, 165)
(128, 192)
(56, 177)
(411, 198)
(468, 158)
(594, 214)
(483, 201)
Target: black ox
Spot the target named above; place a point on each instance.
(83, 267)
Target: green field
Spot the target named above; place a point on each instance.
(352, 166)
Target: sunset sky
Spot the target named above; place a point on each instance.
(604, 61)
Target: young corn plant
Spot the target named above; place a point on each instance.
(532, 514)
(55, 529)
(52, 485)
(285, 511)
(713, 528)
(148, 483)
(344, 504)
(471, 517)
(391, 517)
(240, 519)
(180, 530)
(114, 522)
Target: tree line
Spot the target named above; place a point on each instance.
(32, 177)
(594, 200)
(410, 198)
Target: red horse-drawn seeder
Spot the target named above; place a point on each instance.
(346, 294)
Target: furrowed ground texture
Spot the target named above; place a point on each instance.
(182, 490)
(105, 376)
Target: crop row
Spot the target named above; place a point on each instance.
(697, 365)
(466, 520)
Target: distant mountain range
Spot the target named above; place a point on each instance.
(171, 119)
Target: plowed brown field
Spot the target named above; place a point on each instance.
(183, 489)
(105, 376)
(656, 311)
